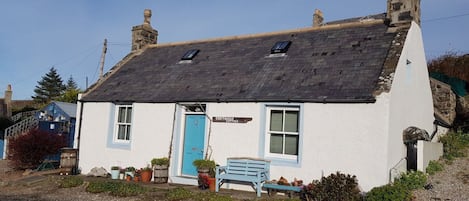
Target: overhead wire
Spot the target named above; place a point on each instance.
(446, 18)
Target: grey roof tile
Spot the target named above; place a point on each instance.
(340, 64)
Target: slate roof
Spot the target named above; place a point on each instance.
(327, 64)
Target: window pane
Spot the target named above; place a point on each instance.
(276, 119)
(127, 136)
(129, 115)
(291, 144)
(121, 115)
(121, 132)
(276, 144)
(291, 121)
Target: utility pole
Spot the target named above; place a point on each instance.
(101, 63)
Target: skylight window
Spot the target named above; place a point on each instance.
(190, 54)
(280, 47)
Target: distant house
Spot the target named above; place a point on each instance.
(56, 117)
(59, 118)
(7, 106)
(333, 97)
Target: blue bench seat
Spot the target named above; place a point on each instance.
(243, 170)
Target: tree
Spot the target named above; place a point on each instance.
(49, 88)
(71, 92)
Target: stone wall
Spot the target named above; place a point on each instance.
(444, 100)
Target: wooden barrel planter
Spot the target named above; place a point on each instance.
(68, 161)
(160, 174)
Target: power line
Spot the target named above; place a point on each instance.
(446, 18)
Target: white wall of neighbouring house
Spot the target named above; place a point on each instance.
(150, 136)
(411, 97)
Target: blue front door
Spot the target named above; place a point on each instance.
(194, 139)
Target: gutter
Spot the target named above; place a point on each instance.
(315, 100)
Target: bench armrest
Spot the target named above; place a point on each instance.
(219, 170)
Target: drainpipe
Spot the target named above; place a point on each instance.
(437, 123)
(172, 137)
(79, 131)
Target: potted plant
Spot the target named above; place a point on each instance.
(129, 172)
(122, 174)
(115, 170)
(146, 174)
(160, 169)
(206, 170)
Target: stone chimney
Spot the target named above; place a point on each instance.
(144, 34)
(403, 12)
(8, 97)
(317, 18)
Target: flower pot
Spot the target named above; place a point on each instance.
(128, 178)
(160, 174)
(146, 175)
(211, 184)
(131, 174)
(203, 178)
(121, 176)
(115, 174)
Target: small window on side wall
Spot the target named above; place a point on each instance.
(123, 123)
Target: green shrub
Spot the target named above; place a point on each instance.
(100, 186)
(127, 189)
(434, 167)
(454, 145)
(179, 194)
(389, 192)
(336, 187)
(115, 188)
(71, 181)
(412, 180)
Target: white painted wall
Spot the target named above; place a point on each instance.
(151, 134)
(426, 152)
(337, 137)
(411, 96)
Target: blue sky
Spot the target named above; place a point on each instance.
(36, 35)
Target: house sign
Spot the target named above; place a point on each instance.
(231, 119)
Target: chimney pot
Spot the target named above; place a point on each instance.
(144, 34)
(403, 12)
(318, 18)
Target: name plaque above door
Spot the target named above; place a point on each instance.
(232, 119)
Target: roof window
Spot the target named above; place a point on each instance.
(190, 54)
(280, 47)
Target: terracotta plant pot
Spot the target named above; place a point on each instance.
(146, 175)
(211, 184)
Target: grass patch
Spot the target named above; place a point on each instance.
(70, 181)
(434, 167)
(454, 145)
(116, 188)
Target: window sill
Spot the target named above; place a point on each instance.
(283, 162)
(119, 145)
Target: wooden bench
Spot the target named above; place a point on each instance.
(243, 170)
(272, 189)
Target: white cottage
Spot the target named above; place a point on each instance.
(332, 97)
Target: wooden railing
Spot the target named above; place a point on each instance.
(20, 115)
(21, 127)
